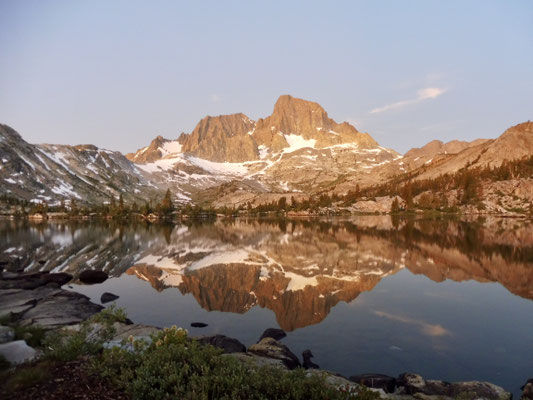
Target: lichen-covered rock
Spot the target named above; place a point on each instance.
(271, 348)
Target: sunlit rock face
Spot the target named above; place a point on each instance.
(298, 269)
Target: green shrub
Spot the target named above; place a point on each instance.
(173, 366)
(89, 339)
(33, 335)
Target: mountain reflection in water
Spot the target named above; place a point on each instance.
(299, 269)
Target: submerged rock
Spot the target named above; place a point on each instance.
(198, 324)
(229, 345)
(92, 276)
(17, 352)
(271, 348)
(273, 333)
(107, 297)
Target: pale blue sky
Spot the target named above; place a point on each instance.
(117, 73)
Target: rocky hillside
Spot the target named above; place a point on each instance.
(515, 143)
(55, 172)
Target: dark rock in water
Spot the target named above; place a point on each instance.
(274, 333)
(128, 321)
(376, 381)
(229, 345)
(198, 325)
(271, 348)
(42, 262)
(530, 380)
(107, 297)
(60, 278)
(308, 364)
(527, 390)
(92, 276)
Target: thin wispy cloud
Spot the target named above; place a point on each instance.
(426, 328)
(422, 95)
(214, 97)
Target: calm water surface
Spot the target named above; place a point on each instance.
(446, 299)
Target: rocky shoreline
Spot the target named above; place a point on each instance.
(37, 300)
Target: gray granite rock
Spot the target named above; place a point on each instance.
(17, 352)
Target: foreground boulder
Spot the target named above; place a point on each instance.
(92, 276)
(229, 345)
(271, 348)
(273, 333)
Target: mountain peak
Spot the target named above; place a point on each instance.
(294, 116)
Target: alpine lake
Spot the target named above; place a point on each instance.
(446, 298)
